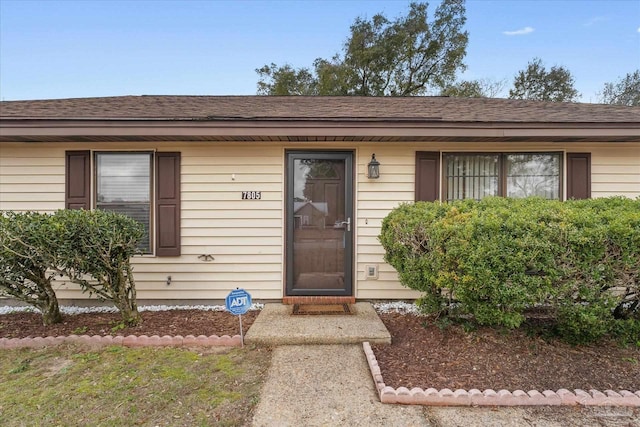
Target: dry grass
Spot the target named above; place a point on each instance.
(114, 386)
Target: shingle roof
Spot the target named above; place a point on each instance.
(413, 109)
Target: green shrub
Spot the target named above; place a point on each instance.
(627, 331)
(411, 244)
(495, 258)
(25, 255)
(95, 250)
(606, 251)
(91, 248)
(582, 324)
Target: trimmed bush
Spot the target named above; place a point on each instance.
(91, 248)
(95, 249)
(25, 255)
(493, 259)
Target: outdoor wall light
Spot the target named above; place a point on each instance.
(373, 168)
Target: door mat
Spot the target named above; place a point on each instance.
(322, 309)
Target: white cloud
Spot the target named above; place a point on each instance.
(595, 20)
(520, 32)
(639, 29)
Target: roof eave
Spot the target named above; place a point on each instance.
(19, 129)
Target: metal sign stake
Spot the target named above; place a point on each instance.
(241, 334)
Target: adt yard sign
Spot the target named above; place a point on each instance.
(238, 302)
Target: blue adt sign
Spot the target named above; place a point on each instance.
(238, 301)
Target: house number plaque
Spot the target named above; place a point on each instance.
(251, 195)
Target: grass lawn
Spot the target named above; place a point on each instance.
(115, 386)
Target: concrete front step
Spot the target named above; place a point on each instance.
(275, 325)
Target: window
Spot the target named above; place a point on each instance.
(478, 175)
(471, 176)
(142, 185)
(123, 184)
(530, 175)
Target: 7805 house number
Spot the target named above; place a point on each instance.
(251, 195)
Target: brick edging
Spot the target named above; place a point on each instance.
(475, 397)
(128, 341)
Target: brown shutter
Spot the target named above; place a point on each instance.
(427, 176)
(578, 175)
(77, 180)
(167, 204)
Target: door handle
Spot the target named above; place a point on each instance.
(347, 223)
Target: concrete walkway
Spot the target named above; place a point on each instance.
(326, 385)
(313, 384)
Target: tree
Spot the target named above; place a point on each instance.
(536, 83)
(481, 88)
(286, 80)
(25, 257)
(625, 91)
(403, 57)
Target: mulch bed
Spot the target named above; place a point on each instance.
(421, 355)
(170, 322)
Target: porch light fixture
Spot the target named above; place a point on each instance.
(373, 168)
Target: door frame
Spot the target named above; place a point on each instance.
(348, 156)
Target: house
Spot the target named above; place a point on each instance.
(272, 194)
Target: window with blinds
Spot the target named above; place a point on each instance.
(478, 175)
(123, 184)
(471, 176)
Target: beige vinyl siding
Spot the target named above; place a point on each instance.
(615, 171)
(243, 236)
(375, 198)
(246, 237)
(31, 178)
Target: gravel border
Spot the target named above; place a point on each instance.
(489, 397)
(71, 309)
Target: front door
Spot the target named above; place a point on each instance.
(319, 217)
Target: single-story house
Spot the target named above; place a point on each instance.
(275, 194)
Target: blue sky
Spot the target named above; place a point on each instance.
(64, 49)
